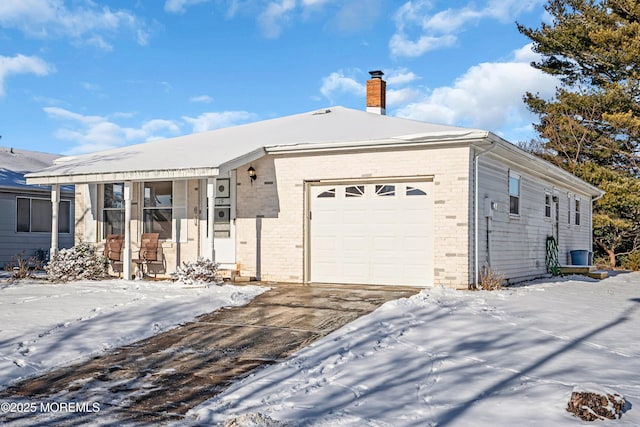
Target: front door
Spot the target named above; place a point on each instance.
(224, 221)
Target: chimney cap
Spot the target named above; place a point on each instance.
(376, 74)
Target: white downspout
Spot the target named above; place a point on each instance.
(476, 238)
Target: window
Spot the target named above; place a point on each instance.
(385, 190)
(569, 212)
(413, 191)
(113, 209)
(547, 205)
(514, 193)
(34, 216)
(327, 194)
(157, 211)
(354, 191)
(577, 202)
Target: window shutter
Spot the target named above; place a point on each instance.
(180, 222)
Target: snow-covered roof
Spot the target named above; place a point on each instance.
(207, 153)
(15, 163)
(17, 160)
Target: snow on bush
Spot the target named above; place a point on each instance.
(81, 262)
(200, 271)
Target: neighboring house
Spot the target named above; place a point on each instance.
(335, 195)
(25, 210)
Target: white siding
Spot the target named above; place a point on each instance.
(518, 242)
(12, 243)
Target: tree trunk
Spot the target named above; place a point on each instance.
(612, 258)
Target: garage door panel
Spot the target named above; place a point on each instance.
(382, 237)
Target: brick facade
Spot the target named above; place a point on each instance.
(271, 211)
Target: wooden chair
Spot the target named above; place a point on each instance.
(148, 253)
(113, 252)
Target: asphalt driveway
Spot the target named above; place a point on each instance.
(159, 379)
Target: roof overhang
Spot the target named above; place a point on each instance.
(539, 167)
(150, 175)
(431, 139)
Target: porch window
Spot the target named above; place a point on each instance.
(577, 202)
(113, 209)
(569, 212)
(34, 216)
(514, 193)
(157, 212)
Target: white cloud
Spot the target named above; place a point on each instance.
(338, 83)
(400, 45)
(314, 3)
(86, 23)
(487, 96)
(180, 6)
(201, 98)
(216, 120)
(275, 16)
(21, 64)
(400, 76)
(94, 133)
(419, 31)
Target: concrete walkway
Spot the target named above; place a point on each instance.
(159, 379)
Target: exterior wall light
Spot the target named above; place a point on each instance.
(252, 174)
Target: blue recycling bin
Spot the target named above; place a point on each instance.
(580, 257)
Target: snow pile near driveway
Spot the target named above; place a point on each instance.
(45, 325)
(458, 358)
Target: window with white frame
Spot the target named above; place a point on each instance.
(157, 211)
(547, 205)
(34, 215)
(577, 208)
(113, 208)
(569, 211)
(514, 193)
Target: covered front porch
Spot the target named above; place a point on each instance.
(189, 217)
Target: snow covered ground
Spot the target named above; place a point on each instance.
(45, 325)
(458, 358)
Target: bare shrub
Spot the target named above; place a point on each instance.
(591, 406)
(21, 266)
(490, 280)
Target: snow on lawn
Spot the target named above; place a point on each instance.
(458, 358)
(44, 325)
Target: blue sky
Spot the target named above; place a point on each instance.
(77, 76)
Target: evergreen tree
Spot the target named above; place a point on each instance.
(592, 126)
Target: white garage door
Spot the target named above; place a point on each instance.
(376, 233)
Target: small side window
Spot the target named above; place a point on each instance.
(569, 211)
(514, 193)
(547, 205)
(577, 203)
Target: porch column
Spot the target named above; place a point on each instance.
(55, 209)
(126, 267)
(211, 204)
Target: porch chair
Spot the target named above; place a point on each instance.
(149, 253)
(113, 252)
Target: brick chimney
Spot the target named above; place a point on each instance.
(376, 93)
